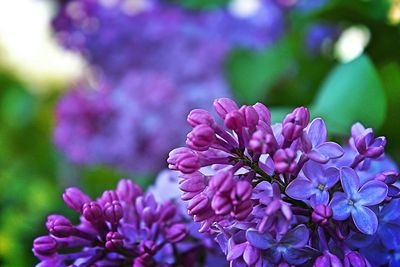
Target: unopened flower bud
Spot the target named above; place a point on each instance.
(242, 192)
(295, 122)
(114, 240)
(198, 204)
(234, 120)
(222, 205)
(184, 160)
(285, 160)
(222, 181)
(242, 210)
(128, 191)
(223, 106)
(108, 197)
(250, 116)
(45, 246)
(113, 212)
(200, 116)
(176, 233)
(321, 214)
(74, 198)
(263, 113)
(59, 226)
(92, 212)
(201, 137)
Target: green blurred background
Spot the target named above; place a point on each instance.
(355, 78)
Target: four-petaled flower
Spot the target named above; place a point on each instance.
(291, 248)
(356, 199)
(365, 142)
(315, 184)
(315, 145)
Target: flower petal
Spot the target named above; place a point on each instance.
(365, 220)
(251, 255)
(388, 233)
(298, 256)
(317, 132)
(331, 176)
(258, 240)
(350, 181)
(297, 237)
(313, 171)
(372, 193)
(321, 197)
(330, 150)
(300, 189)
(273, 255)
(235, 250)
(340, 206)
(390, 211)
(316, 156)
(357, 129)
(266, 164)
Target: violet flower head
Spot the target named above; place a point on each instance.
(314, 185)
(126, 126)
(280, 194)
(365, 142)
(291, 248)
(355, 200)
(123, 227)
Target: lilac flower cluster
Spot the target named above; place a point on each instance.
(109, 126)
(282, 194)
(124, 227)
(157, 61)
(128, 34)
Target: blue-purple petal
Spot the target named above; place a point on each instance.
(350, 181)
(235, 250)
(340, 206)
(372, 193)
(317, 132)
(330, 150)
(300, 189)
(296, 237)
(321, 197)
(313, 171)
(259, 240)
(365, 220)
(298, 256)
(332, 175)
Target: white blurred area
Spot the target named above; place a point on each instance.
(352, 43)
(28, 49)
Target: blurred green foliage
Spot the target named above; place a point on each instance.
(33, 175)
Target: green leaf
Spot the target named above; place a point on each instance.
(252, 74)
(201, 4)
(390, 75)
(352, 92)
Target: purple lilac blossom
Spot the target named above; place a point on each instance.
(282, 194)
(126, 126)
(157, 61)
(123, 227)
(114, 38)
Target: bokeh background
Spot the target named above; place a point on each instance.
(96, 90)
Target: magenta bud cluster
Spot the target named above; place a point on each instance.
(122, 226)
